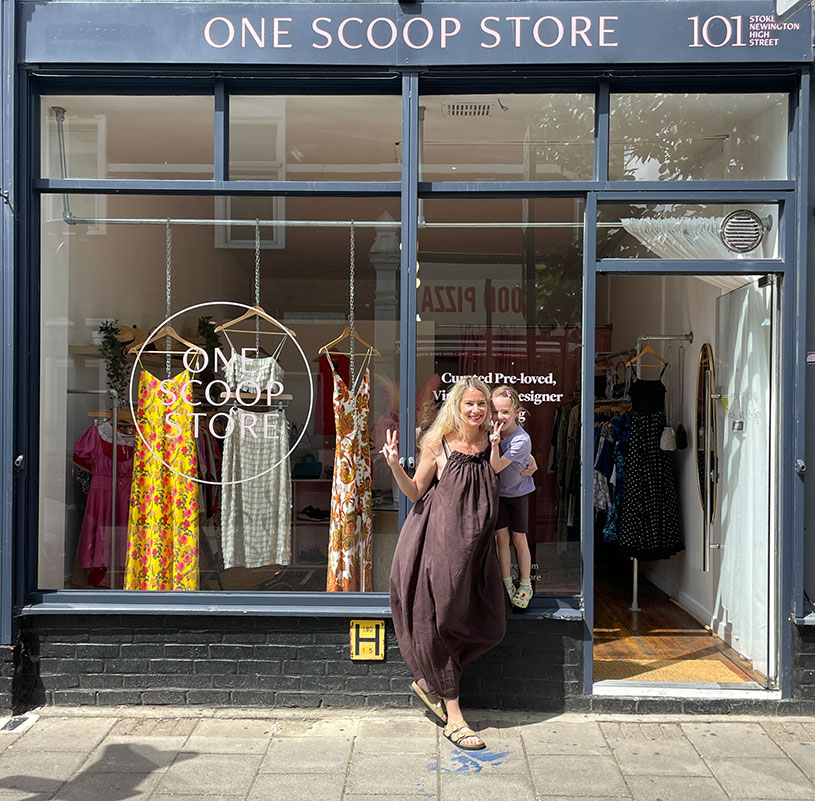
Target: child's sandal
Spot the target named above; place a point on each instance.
(523, 596)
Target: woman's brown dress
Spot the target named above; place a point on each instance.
(448, 602)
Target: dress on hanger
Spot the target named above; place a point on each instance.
(349, 536)
(448, 602)
(649, 518)
(93, 452)
(162, 534)
(256, 497)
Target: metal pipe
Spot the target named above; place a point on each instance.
(59, 115)
(707, 467)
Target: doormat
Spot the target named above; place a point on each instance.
(686, 670)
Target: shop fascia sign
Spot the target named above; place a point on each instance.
(420, 34)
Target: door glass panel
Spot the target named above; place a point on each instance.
(744, 378)
(507, 137)
(502, 299)
(670, 137)
(315, 138)
(674, 231)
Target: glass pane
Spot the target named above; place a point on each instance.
(672, 231)
(502, 299)
(508, 137)
(224, 477)
(668, 137)
(311, 138)
(128, 137)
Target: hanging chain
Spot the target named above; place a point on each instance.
(351, 318)
(168, 279)
(257, 286)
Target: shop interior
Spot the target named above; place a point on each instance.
(679, 602)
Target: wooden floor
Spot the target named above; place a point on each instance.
(658, 643)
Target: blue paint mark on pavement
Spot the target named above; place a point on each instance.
(471, 761)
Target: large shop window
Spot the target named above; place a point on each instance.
(284, 138)
(500, 295)
(684, 137)
(109, 136)
(241, 458)
(507, 137)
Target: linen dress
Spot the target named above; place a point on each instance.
(256, 500)
(448, 601)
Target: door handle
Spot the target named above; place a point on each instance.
(411, 462)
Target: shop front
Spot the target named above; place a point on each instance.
(243, 242)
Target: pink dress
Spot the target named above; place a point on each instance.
(94, 453)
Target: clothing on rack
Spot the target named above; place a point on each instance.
(93, 452)
(349, 537)
(256, 497)
(162, 534)
(649, 519)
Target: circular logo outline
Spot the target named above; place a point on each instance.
(196, 479)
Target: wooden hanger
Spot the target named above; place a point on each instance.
(357, 338)
(162, 333)
(646, 350)
(256, 311)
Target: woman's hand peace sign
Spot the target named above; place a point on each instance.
(495, 434)
(390, 450)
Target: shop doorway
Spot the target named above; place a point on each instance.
(685, 520)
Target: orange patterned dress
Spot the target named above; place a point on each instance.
(349, 538)
(162, 531)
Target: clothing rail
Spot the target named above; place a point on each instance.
(114, 397)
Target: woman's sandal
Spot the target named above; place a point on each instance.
(523, 595)
(456, 733)
(434, 704)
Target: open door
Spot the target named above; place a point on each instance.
(743, 531)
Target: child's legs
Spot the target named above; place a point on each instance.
(521, 544)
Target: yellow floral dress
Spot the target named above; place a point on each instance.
(349, 536)
(162, 530)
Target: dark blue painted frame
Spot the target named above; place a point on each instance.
(23, 398)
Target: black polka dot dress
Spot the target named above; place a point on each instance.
(649, 521)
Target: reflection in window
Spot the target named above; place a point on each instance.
(315, 138)
(504, 301)
(672, 231)
(107, 136)
(507, 137)
(664, 137)
(223, 480)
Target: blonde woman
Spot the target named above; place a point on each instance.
(448, 602)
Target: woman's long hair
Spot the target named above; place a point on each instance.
(449, 418)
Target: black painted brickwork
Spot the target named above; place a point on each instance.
(6, 678)
(271, 662)
(803, 673)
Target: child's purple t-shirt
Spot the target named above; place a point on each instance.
(518, 447)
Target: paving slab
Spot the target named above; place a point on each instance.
(580, 776)
(66, 734)
(176, 797)
(318, 727)
(675, 788)
(762, 778)
(312, 755)
(7, 740)
(478, 787)
(740, 739)
(130, 755)
(297, 787)
(155, 727)
(210, 774)
(658, 758)
(231, 736)
(38, 771)
(402, 736)
(109, 787)
(410, 774)
(567, 738)
(803, 755)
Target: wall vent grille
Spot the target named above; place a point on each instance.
(742, 231)
(466, 109)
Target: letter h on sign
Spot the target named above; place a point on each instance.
(368, 639)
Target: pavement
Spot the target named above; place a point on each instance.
(188, 754)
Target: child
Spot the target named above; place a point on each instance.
(513, 453)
